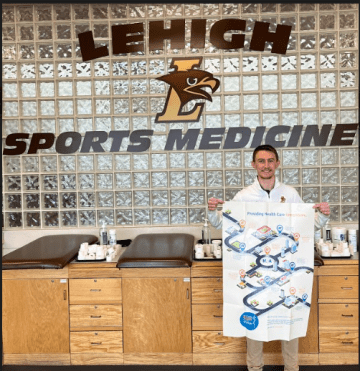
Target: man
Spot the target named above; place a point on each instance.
(266, 188)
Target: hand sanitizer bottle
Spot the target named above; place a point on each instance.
(103, 235)
(206, 238)
(327, 233)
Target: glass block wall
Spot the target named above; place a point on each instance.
(47, 88)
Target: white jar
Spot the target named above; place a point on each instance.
(338, 235)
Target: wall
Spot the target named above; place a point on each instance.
(47, 88)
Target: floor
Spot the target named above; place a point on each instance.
(173, 368)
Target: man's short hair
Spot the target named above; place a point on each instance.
(265, 147)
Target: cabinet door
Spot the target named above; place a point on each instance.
(35, 316)
(156, 315)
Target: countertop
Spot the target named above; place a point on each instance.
(354, 259)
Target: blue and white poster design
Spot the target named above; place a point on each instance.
(268, 269)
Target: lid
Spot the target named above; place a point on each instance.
(112, 231)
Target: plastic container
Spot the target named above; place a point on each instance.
(327, 233)
(317, 236)
(206, 237)
(338, 235)
(353, 238)
(112, 237)
(103, 235)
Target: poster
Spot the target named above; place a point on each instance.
(268, 269)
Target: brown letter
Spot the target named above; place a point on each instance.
(35, 142)
(121, 39)
(339, 135)
(176, 33)
(198, 31)
(220, 27)
(312, 132)
(280, 37)
(12, 140)
(87, 47)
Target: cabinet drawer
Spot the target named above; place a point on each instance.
(207, 290)
(336, 287)
(94, 316)
(338, 341)
(338, 315)
(207, 317)
(96, 342)
(206, 272)
(95, 291)
(215, 342)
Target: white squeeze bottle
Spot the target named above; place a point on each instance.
(112, 237)
(103, 235)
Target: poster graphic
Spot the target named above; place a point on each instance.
(268, 268)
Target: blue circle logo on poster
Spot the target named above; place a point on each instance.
(249, 320)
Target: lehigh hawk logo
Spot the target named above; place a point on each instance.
(186, 84)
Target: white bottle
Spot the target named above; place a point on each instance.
(318, 245)
(103, 235)
(327, 233)
(112, 237)
(206, 238)
(352, 238)
(317, 236)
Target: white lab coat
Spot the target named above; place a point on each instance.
(280, 193)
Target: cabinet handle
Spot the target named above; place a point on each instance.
(347, 342)
(95, 289)
(96, 343)
(95, 316)
(346, 288)
(347, 315)
(187, 293)
(217, 290)
(217, 316)
(219, 343)
(64, 294)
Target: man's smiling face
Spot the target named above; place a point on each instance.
(265, 164)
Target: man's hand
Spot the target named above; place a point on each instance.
(213, 202)
(324, 208)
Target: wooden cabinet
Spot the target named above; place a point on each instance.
(207, 317)
(210, 347)
(35, 320)
(95, 321)
(207, 290)
(157, 315)
(96, 341)
(89, 317)
(338, 314)
(95, 291)
(308, 345)
(207, 298)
